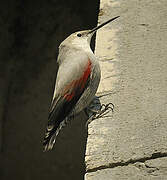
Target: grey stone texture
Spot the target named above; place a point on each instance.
(131, 143)
(155, 169)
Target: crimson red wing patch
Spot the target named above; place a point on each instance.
(76, 87)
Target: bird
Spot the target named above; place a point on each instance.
(78, 78)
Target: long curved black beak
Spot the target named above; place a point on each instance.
(101, 25)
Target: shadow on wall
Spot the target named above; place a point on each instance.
(30, 34)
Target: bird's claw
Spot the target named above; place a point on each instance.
(104, 109)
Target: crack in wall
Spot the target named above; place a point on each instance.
(131, 161)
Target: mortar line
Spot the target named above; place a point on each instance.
(131, 161)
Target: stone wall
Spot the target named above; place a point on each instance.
(131, 143)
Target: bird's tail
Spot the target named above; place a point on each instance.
(51, 134)
(49, 142)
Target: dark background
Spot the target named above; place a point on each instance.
(30, 32)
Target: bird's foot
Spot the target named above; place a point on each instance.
(105, 108)
(95, 114)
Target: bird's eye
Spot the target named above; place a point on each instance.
(79, 35)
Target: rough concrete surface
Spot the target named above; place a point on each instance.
(132, 52)
(155, 169)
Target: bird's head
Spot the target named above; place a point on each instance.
(83, 38)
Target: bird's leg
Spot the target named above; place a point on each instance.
(97, 110)
(105, 108)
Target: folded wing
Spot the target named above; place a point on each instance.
(65, 101)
